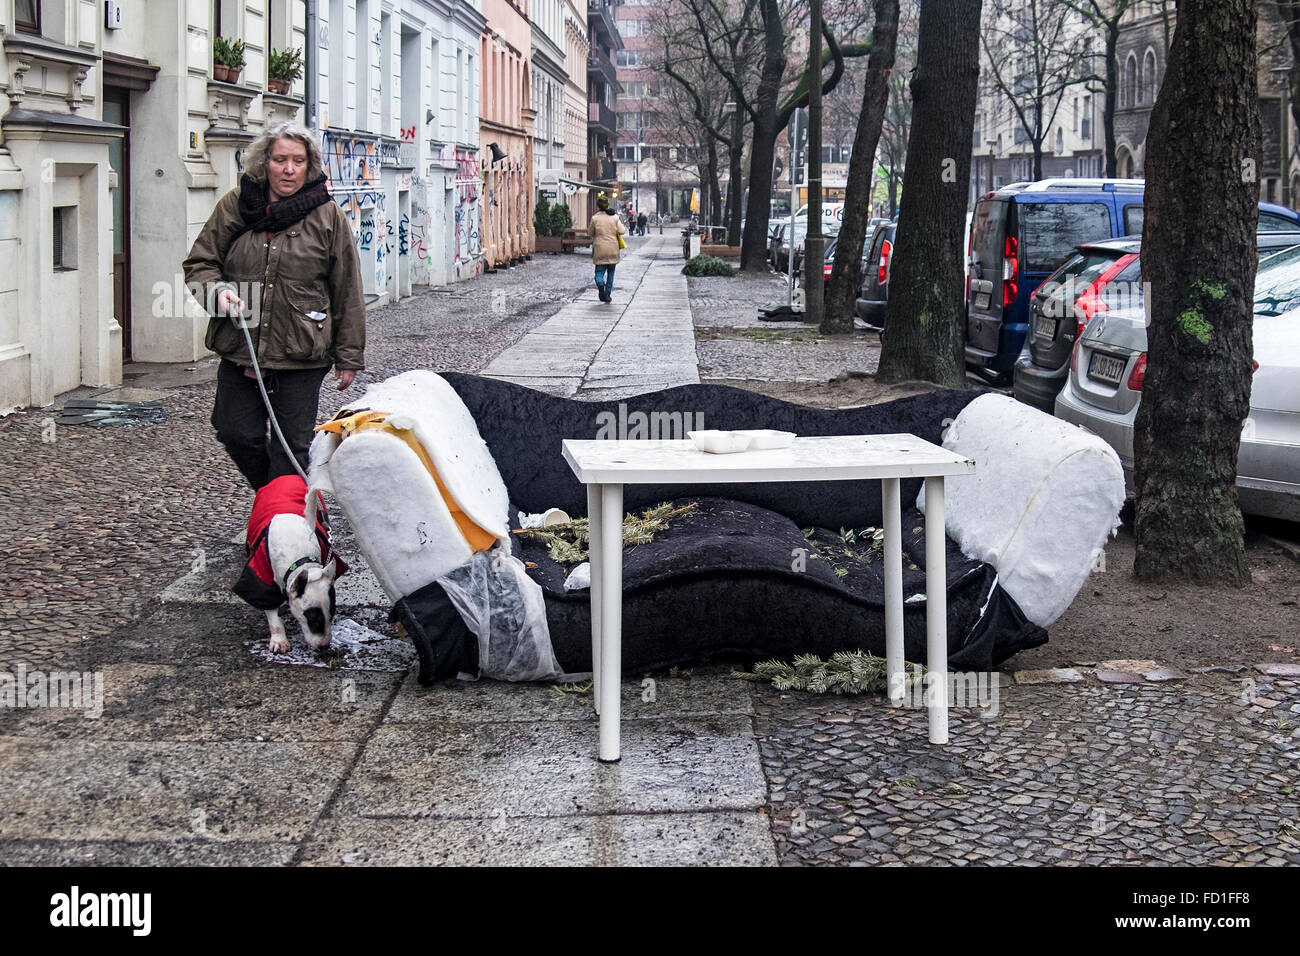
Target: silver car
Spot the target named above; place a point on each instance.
(1108, 365)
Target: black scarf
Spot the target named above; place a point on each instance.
(259, 215)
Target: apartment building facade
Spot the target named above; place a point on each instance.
(118, 139)
(506, 122)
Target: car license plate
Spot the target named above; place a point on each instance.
(981, 300)
(1045, 327)
(1106, 368)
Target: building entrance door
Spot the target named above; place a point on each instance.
(117, 110)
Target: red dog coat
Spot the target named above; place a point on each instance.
(285, 495)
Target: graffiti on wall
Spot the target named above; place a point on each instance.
(468, 215)
(352, 169)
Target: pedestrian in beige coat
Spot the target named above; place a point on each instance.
(605, 229)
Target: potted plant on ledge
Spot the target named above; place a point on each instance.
(227, 60)
(282, 68)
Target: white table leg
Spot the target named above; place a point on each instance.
(594, 557)
(936, 610)
(611, 619)
(890, 510)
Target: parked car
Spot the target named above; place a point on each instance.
(1022, 233)
(1108, 366)
(1091, 279)
(1267, 243)
(776, 236)
(874, 301)
(1275, 218)
(1101, 275)
(831, 244)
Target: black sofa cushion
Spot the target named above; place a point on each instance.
(524, 430)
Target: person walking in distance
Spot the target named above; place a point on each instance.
(606, 231)
(277, 258)
(641, 220)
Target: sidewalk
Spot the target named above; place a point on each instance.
(120, 545)
(643, 340)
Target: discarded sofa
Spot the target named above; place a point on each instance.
(754, 570)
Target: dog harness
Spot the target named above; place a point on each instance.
(285, 495)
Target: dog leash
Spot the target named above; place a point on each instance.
(266, 400)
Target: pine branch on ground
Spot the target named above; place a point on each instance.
(847, 672)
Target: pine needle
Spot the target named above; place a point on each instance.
(569, 542)
(847, 672)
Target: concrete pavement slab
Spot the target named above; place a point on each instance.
(195, 851)
(549, 768)
(727, 838)
(211, 702)
(107, 790)
(491, 701)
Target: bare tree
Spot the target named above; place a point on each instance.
(764, 104)
(701, 99)
(846, 272)
(1196, 391)
(1034, 51)
(1105, 15)
(925, 322)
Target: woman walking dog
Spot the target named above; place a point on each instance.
(606, 231)
(281, 240)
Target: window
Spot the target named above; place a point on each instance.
(835, 154)
(27, 16)
(1086, 131)
(1128, 85)
(1150, 75)
(1050, 230)
(976, 137)
(1133, 216)
(65, 238)
(627, 58)
(625, 154)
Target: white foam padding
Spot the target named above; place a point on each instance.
(400, 521)
(1044, 497)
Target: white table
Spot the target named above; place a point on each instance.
(606, 466)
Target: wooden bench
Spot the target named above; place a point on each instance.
(573, 238)
(722, 252)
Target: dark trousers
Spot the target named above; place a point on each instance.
(239, 416)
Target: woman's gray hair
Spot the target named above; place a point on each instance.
(257, 154)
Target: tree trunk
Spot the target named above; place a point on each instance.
(1038, 160)
(753, 248)
(1199, 348)
(710, 216)
(925, 321)
(736, 191)
(1112, 85)
(846, 274)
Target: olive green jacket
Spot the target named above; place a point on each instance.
(310, 269)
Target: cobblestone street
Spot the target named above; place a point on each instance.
(1169, 767)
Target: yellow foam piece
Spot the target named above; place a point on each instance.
(475, 537)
